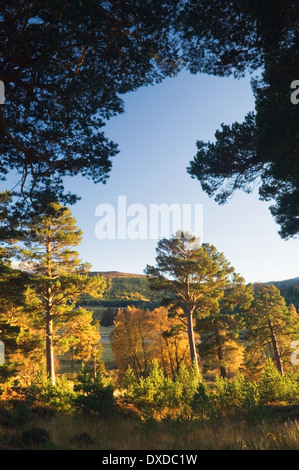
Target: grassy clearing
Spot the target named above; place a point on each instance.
(107, 356)
(105, 331)
(125, 433)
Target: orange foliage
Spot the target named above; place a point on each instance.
(140, 336)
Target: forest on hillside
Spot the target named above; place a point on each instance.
(123, 291)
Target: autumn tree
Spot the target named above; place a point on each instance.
(221, 346)
(196, 277)
(170, 342)
(130, 340)
(19, 340)
(141, 336)
(271, 327)
(58, 280)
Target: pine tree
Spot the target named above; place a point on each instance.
(196, 277)
(270, 386)
(58, 280)
(15, 326)
(220, 343)
(271, 326)
(220, 347)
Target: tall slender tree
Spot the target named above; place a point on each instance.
(271, 326)
(195, 276)
(59, 278)
(220, 332)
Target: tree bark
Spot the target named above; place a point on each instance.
(192, 346)
(49, 320)
(223, 371)
(275, 348)
(49, 339)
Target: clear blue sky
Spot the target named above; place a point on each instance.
(157, 137)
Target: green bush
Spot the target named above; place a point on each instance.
(93, 395)
(35, 437)
(290, 388)
(239, 396)
(225, 397)
(271, 384)
(155, 392)
(21, 415)
(59, 396)
(275, 388)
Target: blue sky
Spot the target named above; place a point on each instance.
(157, 137)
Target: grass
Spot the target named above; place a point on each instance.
(107, 356)
(125, 433)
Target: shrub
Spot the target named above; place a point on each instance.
(35, 437)
(59, 396)
(155, 392)
(290, 388)
(93, 395)
(274, 387)
(21, 415)
(202, 402)
(271, 384)
(225, 397)
(187, 381)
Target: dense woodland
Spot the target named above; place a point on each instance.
(194, 346)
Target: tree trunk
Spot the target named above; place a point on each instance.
(275, 348)
(49, 339)
(193, 354)
(223, 371)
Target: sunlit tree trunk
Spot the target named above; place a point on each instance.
(220, 355)
(193, 354)
(275, 348)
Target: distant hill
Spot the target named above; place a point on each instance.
(116, 274)
(289, 289)
(124, 289)
(133, 289)
(285, 283)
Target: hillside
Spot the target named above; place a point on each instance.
(133, 289)
(118, 274)
(285, 283)
(289, 289)
(124, 289)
